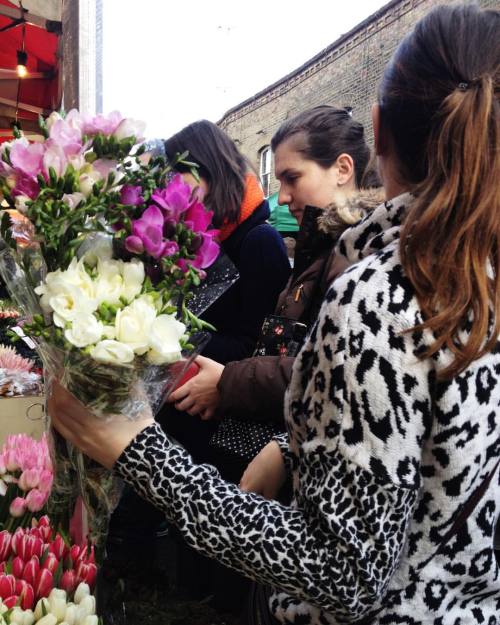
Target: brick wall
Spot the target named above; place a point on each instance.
(346, 73)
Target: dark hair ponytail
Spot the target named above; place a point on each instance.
(329, 132)
(439, 105)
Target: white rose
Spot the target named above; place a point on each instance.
(81, 591)
(164, 338)
(133, 278)
(85, 330)
(73, 199)
(130, 128)
(133, 324)
(112, 352)
(20, 203)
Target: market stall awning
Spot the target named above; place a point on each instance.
(281, 218)
(33, 27)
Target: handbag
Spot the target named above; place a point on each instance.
(243, 440)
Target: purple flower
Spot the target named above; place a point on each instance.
(68, 137)
(131, 195)
(174, 199)
(197, 217)
(101, 124)
(149, 230)
(207, 252)
(25, 185)
(134, 245)
(27, 157)
(170, 248)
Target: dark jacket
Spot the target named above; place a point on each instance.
(254, 388)
(259, 254)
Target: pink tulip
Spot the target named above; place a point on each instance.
(29, 479)
(17, 567)
(31, 569)
(5, 544)
(35, 500)
(7, 585)
(11, 602)
(46, 480)
(11, 461)
(18, 507)
(27, 597)
(50, 563)
(68, 581)
(44, 583)
(58, 547)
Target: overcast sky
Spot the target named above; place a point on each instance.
(171, 63)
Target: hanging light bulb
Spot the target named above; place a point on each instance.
(22, 59)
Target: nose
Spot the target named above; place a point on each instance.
(284, 196)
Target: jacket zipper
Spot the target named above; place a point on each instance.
(298, 293)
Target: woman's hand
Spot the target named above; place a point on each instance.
(266, 474)
(100, 439)
(199, 396)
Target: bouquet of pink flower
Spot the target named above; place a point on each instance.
(112, 247)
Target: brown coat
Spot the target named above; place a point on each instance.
(254, 388)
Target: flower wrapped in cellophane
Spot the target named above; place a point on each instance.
(104, 251)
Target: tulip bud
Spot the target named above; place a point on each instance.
(27, 597)
(19, 585)
(18, 507)
(7, 585)
(44, 583)
(46, 480)
(28, 617)
(70, 615)
(91, 575)
(11, 601)
(48, 619)
(57, 606)
(68, 581)
(74, 552)
(88, 604)
(5, 545)
(58, 546)
(29, 479)
(82, 591)
(90, 619)
(16, 616)
(50, 563)
(31, 569)
(17, 567)
(35, 500)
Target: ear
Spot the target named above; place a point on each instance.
(378, 133)
(345, 168)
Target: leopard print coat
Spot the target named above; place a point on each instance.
(382, 457)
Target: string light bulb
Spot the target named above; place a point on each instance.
(22, 59)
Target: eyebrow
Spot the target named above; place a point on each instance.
(285, 172)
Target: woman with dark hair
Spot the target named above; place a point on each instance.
(392, 411)
(232, 191)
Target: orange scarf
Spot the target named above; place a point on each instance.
(253, 196)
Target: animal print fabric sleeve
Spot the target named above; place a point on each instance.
(337, 546)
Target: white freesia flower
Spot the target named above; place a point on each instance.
(99, 248)
(85, 330)
(133, 278)
(164, 338)
(73, 199)
(81, 591)
(130, 128)
(20, 203)
(87, 181)
(109, 281)
(133, 324)
(109, 332)
(112, 352)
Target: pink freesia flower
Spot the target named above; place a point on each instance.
(27, 157)
(26, 185)
(56, 158)
(35, 500)
(175, 199)
(169, 248)
(207, 252)
(131, 195)
(67, 136)
(149, 230)
(101, 124)
(18, 507)
(197, 217)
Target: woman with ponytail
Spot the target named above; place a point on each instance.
(393, 408)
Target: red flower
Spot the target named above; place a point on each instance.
(31, 570)
(5, 544)
(58, 547)
(27, 597)
(7, 585)
(17, 567)
(44, 583)
(11, 601)
(50, 562)
(68, 581)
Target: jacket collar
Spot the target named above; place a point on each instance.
(376, 231)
